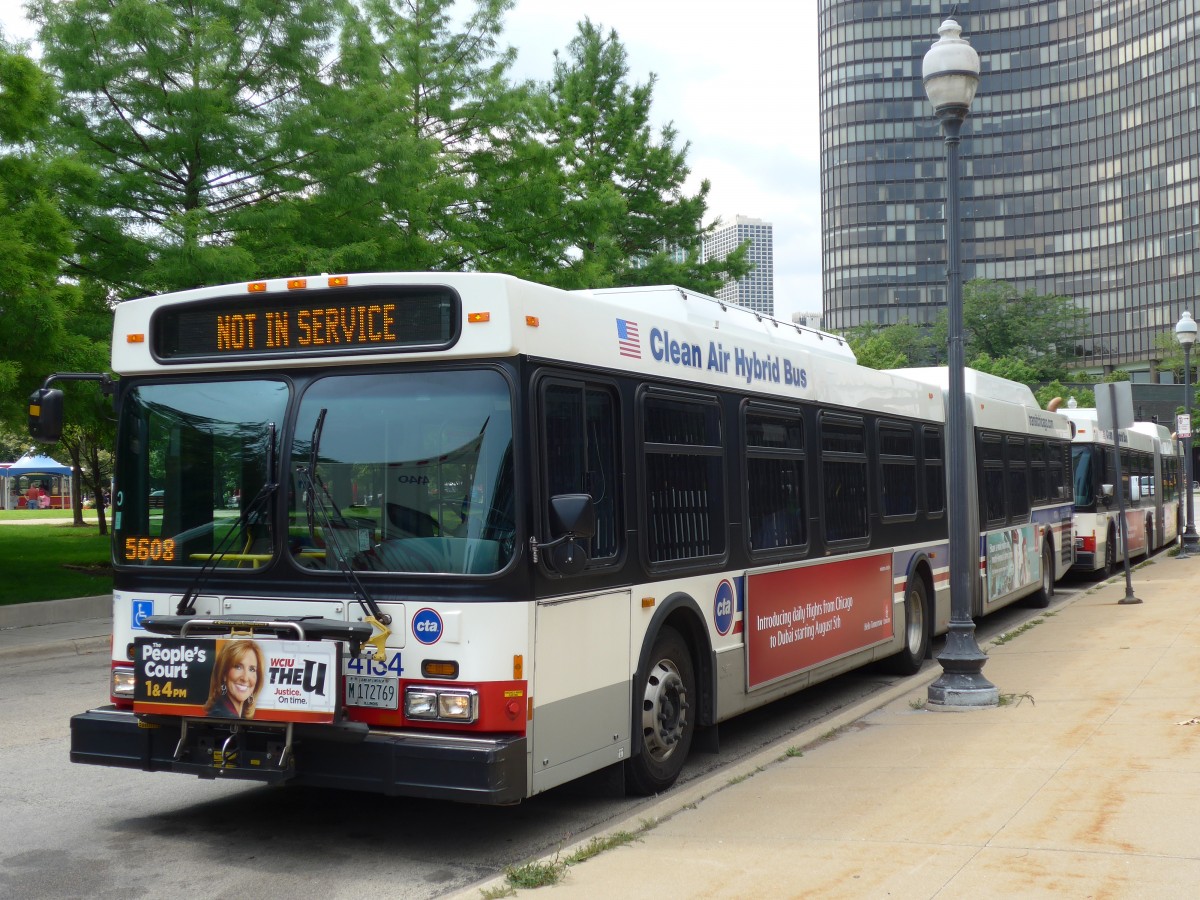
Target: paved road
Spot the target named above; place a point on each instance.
(83, 831)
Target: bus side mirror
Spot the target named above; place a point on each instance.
(573, 520)
(46, 415)
(1106, 493)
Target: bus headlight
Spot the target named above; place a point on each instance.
(457, 705)
(122, 682)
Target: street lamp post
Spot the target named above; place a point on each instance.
(1185, 333)
(950, 74)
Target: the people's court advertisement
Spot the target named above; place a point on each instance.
(237, 678)
(797, 618)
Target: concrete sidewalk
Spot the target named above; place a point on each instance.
(1085, 782)
(56, 627)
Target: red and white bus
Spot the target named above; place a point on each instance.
(1151, 483)
(1019, 503)
(468, 537)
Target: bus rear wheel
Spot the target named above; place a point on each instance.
(916, 630)
(1041, 599)
(666, 692)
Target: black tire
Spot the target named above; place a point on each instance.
(1149, 537)
(917, 621)
(1110, 556)
(666, 694)
(1041, 599)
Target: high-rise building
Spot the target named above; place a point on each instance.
(755, 291)
(1080, 162)
(807, 319)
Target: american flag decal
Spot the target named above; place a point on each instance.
(628, 339)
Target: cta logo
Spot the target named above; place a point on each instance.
(723, 607)
(427, 625)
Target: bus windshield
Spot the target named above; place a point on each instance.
(195, 457)
(414, 473)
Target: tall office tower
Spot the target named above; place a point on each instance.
(755, 291)
(1080, 162)
(807, 319)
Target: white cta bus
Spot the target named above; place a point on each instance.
(1019, 500)
(1151, 483)
(467, 537)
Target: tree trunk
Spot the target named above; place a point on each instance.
(98, 487)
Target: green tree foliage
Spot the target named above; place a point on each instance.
(35, 304)
(1006, 367)
(1084, 398)
(894, 346)
(626, 217)
(187, 108)
(1039, 330)
(414, 141)
(1027, 338)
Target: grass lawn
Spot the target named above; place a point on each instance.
(51, 562)
(31, 515)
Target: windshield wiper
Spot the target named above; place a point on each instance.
(318, 504)
(252, 512)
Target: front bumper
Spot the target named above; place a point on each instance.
(464, 768)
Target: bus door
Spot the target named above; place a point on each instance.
(580, 696)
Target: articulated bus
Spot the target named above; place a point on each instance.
(466, 537)
(1150, 484)
(1019, 503)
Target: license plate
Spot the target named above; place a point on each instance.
(376, 692)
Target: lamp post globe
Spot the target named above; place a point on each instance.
(1185, 333)
(950, 75)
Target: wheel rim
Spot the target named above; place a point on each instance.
(914, 630)
(664, 709)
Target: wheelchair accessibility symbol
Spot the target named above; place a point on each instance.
(141, 609)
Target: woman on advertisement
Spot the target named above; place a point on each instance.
(236, 680)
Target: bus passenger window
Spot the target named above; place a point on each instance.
(844, 476)
(775, 481)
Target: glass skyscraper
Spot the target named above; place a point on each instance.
(1080, 162)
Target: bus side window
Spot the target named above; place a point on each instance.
(775, 465)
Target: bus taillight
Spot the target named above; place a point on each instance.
(1085, 543)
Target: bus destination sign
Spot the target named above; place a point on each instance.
(353, 320)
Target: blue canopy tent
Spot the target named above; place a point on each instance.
(38, 472)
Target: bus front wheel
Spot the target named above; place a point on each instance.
(667, 693)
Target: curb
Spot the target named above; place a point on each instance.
(689, 795)
(676, 801)
(55, 612)
(83, 646)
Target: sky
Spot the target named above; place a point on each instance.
(739, 83)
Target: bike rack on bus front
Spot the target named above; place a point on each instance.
(354, 634)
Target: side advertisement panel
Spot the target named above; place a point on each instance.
(799, 618)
